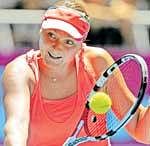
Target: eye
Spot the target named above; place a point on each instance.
(69, 42)
(51, 35)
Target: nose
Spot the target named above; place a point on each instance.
(57, 45)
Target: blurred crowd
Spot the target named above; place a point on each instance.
(103, 32)
(13, 36)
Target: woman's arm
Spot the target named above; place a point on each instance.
(116, 87)
(142, 131)
(122, 100)
(16, 102)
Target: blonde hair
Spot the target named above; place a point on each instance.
(74, 5)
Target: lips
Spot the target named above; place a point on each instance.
(53, 56)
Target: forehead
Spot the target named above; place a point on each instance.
(56, 31)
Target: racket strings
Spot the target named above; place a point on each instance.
(111, 119)
(132, 77)
(95, 127)
(119, 109)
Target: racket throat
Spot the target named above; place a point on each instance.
(78, 129)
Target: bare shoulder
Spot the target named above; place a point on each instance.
(98, 53)
(17, 72)
(18, 67)
(99, 58)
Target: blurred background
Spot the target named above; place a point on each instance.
(119, 26)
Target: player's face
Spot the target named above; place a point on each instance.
(58, 47)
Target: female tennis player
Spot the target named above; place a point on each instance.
(46, 90)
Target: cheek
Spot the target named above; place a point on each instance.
(42, 50)
(71, 54)
(43, 46)
(45, 40)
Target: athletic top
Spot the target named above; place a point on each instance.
(53, 121)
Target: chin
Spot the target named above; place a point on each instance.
(55, 62)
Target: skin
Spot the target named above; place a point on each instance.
(62, 46)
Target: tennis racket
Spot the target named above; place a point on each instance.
(102, 126)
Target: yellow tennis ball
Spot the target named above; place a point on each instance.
(100, 103)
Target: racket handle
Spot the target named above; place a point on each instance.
(80, 125)
(69, 140)
(73, 141)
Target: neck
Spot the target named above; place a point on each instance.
(56, 73)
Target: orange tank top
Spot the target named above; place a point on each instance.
(53, 121)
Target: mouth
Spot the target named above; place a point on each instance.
(54, 56)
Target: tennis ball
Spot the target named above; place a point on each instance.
(100, 103)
